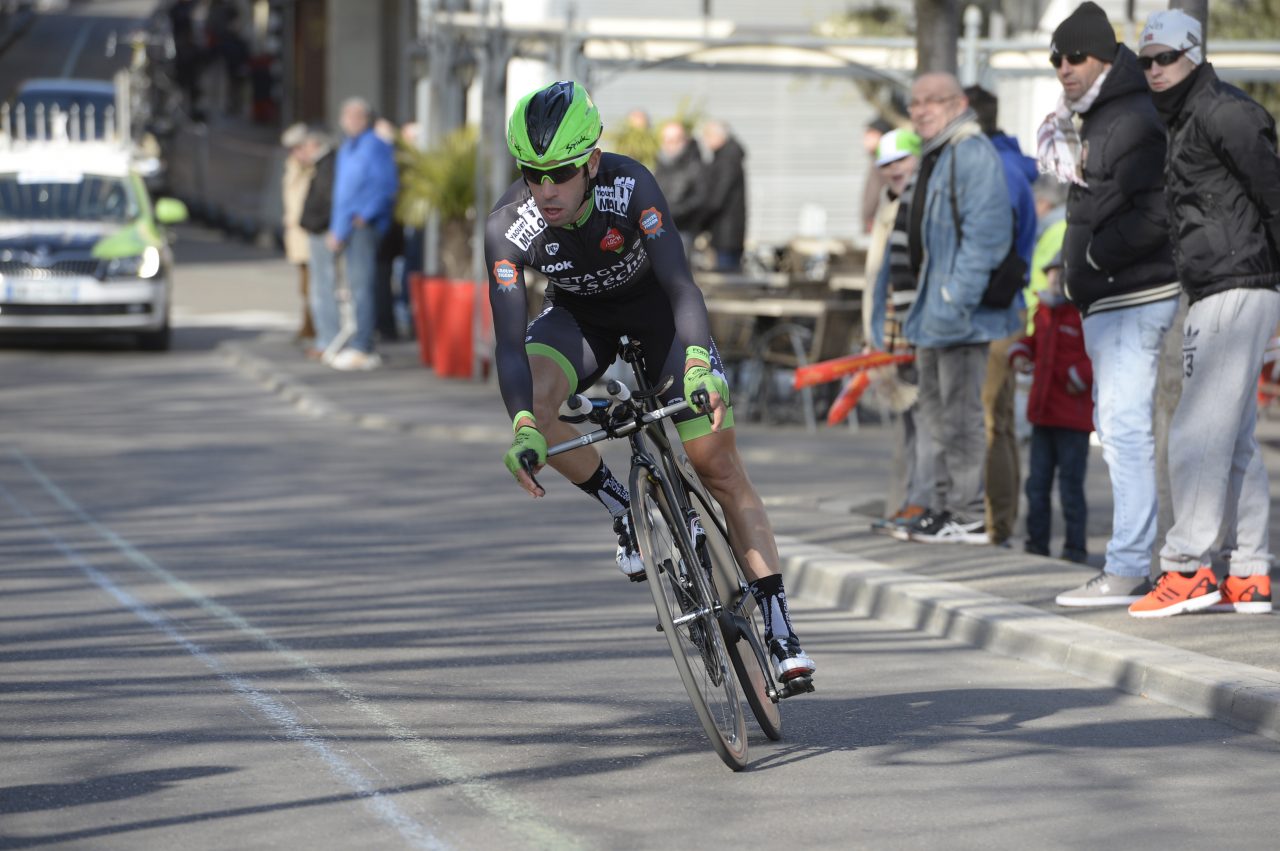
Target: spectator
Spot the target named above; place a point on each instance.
(725, 196)
(1003, 476)
(873, 187)
(911, 486)
(390, 246)
(364, 191)
(322, 264)
(186, 54)
(1061, 413)
(1222, 182)
(679, 174)
(1119, 272)
(954, 245)
(298, 169)
(1051, 216)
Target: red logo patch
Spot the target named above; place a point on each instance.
(612, 241)
(505, 272)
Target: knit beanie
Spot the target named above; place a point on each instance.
(1176, 29)
(1086, 30)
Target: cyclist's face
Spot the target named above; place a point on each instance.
(562, 203)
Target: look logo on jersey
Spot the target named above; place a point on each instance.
(505, 272)
(651, 223)
(612, 241)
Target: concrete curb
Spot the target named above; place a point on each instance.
(1243, 696)
(318, 406)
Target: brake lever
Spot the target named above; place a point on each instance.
(700, 399)
(529, 460)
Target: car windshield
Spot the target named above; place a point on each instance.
(81, 197)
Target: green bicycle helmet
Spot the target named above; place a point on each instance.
(554, 126)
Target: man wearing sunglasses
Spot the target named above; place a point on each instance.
(1106, 140)
(1222, 181)
(601, 231)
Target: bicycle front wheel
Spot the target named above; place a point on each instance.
(685, 613)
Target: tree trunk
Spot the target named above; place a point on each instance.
(937, 35)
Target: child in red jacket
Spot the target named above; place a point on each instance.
(1060, 410)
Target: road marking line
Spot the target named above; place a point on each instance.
(518, 817)
(77, 47)
(275, 712)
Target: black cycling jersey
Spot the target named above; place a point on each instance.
(624, 248)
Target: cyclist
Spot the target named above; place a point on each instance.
(597, 226)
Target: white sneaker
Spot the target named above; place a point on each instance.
(628, 557)
(354, 360)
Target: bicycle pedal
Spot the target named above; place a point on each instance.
(638, 577)
(797, 685)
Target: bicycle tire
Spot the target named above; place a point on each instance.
(746, 651)
(697, 645)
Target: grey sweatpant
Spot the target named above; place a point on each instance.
(1215, 468)
(951, 405)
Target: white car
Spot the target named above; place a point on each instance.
(82, 246)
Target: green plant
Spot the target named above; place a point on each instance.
(440, 180)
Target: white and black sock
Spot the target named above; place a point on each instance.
(606, 488)
(771, 597)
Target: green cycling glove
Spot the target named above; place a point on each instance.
(701, 377)
(527, 437)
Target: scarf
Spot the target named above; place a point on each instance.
(1058, 141)
(1169, 103)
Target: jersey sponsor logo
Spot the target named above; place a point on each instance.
(505, 272)
(651, 223)
(553, 248)
(528, 224)
(621, 272)
(562, 266)
(612, 241)
(615, 198)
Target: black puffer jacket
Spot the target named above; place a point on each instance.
(725, 213)
(318, 206)
(1223, 182)
(1118, 221)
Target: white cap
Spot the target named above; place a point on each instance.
(1176, 29)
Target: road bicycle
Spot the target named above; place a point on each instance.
(705, 609)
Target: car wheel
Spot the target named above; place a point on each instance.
(155, 341)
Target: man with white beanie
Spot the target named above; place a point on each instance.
(1222, 182)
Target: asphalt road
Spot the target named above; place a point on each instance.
(224, 624)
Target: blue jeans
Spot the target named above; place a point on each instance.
(323, 295)
(362, 260)
(1124, 346)
(1065, 450)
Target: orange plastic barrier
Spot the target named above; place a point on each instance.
(829, 370)
(848, 398)
(451, 312)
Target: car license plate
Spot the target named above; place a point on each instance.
(41, 292)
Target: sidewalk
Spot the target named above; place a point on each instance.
(1216, 665)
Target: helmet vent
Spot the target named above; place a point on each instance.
(545, 112)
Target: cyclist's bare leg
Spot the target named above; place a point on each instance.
(719, 466)
(550, 389)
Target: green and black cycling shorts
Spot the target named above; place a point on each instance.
(582, 337)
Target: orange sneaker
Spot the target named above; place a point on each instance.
(1176, 593)
(1249, 595)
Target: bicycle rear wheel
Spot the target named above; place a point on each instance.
(743, 636)
(684, 602)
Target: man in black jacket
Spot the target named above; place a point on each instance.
(1222, 182)
(1119, 272)
(316, 212)
(726, 196)
(679, 171)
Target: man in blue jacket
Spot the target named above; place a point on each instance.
(364, 193)
(959, 230)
